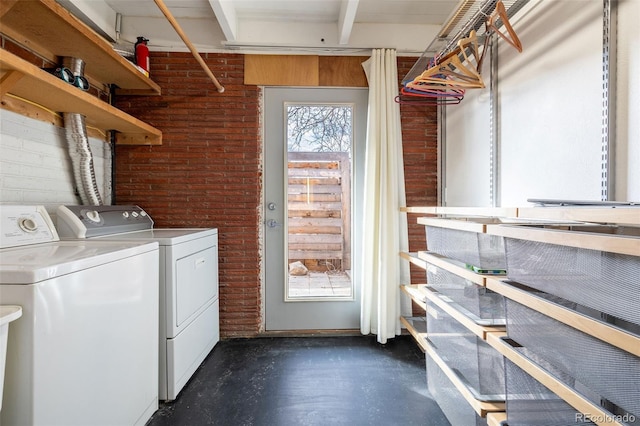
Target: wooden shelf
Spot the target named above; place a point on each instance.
(463, 211)
(619, 215)
(417, 327)
(416, 294)
(498, 341)
(413, 258)
(559, 226)
(496, 419)
(612, 243)
(471, 225)
(29, 82)
(452, 266)
(49, 29)
(612, 335)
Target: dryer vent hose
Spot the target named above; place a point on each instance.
(79, 148)
(81, 158)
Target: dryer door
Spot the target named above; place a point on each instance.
(196, 284)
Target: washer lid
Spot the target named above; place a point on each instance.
(164, 236)
(39, 262)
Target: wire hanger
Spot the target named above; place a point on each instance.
(501, 13)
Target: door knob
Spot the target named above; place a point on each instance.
(272, 223)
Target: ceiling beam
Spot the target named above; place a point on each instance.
(347, 18)
(225, 12)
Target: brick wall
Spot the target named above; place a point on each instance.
(207, 173)
(420, 147)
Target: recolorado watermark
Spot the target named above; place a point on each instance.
(602, 418)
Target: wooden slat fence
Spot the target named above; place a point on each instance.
(319, 200)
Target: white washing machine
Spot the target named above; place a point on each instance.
(189, 304)
(85, 351)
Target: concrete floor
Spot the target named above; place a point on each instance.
(324, 381)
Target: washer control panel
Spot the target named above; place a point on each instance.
(94, 221)
(25, 225)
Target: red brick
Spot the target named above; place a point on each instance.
(208, 172)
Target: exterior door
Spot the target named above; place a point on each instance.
(314, 170)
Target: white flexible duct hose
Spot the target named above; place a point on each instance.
(81, 158)
(79, 148)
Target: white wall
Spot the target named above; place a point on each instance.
(550, 102)
(467, 159)
(628, 102)
(35, 167)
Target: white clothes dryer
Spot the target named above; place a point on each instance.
(85, 351)
(188, 269)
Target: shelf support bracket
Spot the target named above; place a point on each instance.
(609, 58)
(8, 80)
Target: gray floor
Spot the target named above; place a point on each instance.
(307, 381)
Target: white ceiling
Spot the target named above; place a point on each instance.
(407, 25)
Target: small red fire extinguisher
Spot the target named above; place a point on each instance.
(142, 54)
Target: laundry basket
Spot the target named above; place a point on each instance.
(8, 313)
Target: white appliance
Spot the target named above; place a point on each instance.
(8, 313)
(189, 304)
(85, 351)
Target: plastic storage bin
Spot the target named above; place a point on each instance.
(476, 301)
(605, 370)
(477, 363)
(604, 281)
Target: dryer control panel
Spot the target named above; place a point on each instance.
(95, 221)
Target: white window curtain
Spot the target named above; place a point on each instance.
(385, 227)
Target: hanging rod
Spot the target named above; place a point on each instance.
(475, 22)
(469, 15)
(190, 45)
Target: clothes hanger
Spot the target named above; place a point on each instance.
(501, 13)
(426, 100)
(451, 71)
(470, 44)
(433, 93)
